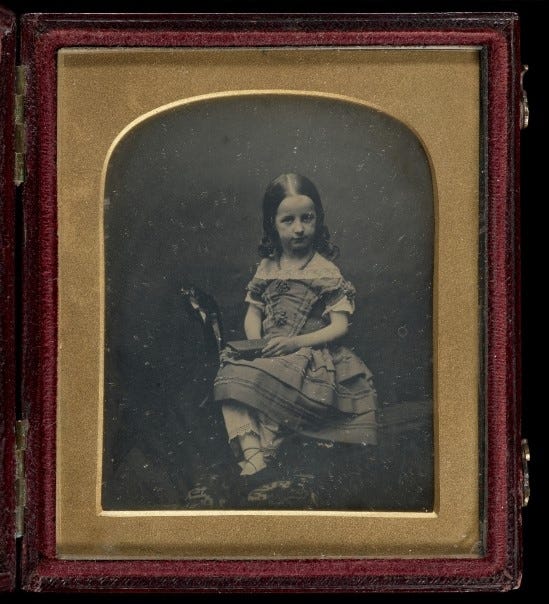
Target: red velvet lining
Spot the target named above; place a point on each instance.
(7, 304)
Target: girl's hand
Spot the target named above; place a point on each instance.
(280, 345)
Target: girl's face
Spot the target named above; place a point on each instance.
(295, 223)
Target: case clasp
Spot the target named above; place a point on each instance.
(524, 107)
(21, 430)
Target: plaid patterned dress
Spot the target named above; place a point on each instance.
(324, 392)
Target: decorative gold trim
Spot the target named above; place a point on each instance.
(204, 98)
(420, 89)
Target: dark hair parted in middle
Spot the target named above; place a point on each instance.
(284, 186)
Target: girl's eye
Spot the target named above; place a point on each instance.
(287, 219)
(308, 217)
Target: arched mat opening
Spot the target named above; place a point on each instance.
(183, 190)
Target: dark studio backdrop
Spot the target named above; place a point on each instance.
(183, 207)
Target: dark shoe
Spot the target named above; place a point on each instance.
(211, 492)
(265, 475)
(292, 493)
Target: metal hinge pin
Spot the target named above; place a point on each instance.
(21, 430)
(525, 472)
(19, 117)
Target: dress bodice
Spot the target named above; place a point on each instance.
(289, 308)
(298, 301)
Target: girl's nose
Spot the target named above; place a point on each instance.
(298, 227)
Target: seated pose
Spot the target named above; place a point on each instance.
(303, 381)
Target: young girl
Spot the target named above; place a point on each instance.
(298, 301)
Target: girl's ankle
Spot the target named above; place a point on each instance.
(249, 469)
(253, 462)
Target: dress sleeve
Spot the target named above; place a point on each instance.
(338, 295)
(342, 305)
(254, 292)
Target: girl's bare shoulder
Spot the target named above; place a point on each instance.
(321, 267)
(266, 268)
(318, 268)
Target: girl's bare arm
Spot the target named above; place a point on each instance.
(339, 324)
(253, 322)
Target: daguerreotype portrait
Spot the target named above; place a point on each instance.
(268, 308)
(268, 320)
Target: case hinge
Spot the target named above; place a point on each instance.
(524, 107)
(20, 89)
(21, 429)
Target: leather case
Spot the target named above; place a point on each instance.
(35, 497)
